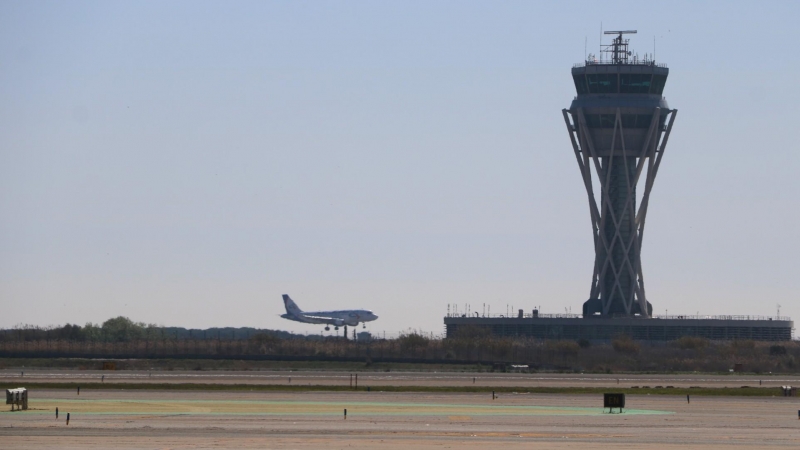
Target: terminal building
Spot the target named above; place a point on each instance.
(565, 326)
(619, 123)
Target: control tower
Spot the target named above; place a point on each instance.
(619, 124)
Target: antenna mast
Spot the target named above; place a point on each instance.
(618, 47)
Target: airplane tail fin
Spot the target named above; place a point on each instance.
(291, 306)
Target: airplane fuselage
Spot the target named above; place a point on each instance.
(338, 318)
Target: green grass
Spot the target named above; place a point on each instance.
(722, 391)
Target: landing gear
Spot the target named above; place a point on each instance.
(328, 328)
(336, 328)
(364, 326)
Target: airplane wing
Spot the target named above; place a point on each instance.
(323, 319)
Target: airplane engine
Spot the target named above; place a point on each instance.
(352, 319)
(339, 322)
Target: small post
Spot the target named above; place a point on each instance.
(798, 413)
(759, 382)
(687, 398)
(102, 378)
(345, 414)
(356, 381)
(367, 388)
(351, 381)
(290, 380)
(56, 412)
(79, 393)
(492, 395)
(67, 418)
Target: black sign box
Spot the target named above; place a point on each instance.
(613, 400)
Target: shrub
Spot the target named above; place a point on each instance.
(265, 342)
(584, 343)
(691, 343)
(562, 348)
(743, 344)
(777, 350)
(122, 329)
(626, 345)
(567, 348)
(412, 341)
(500, 347)
(265, 339)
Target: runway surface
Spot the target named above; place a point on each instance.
(158, 406)
(367, 378)
(304, 420)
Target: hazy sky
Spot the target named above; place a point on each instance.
(186, 163)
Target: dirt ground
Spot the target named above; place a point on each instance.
(397, 378)
(304, 420)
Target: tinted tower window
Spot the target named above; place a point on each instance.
(580, 84)
(658, 84)
(634, 83)
(602, 83)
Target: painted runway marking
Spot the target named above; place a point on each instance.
(311, 408)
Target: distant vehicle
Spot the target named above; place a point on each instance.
(350, 317)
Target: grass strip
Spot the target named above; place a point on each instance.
(744, 391)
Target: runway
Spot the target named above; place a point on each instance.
(304, 420)
(372, 378)
(194, 406)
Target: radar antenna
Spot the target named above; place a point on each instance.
(618, 47)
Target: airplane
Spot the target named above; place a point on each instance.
(350, 317)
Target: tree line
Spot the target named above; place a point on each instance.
(123, 329)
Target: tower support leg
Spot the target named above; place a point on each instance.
(617, 287)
